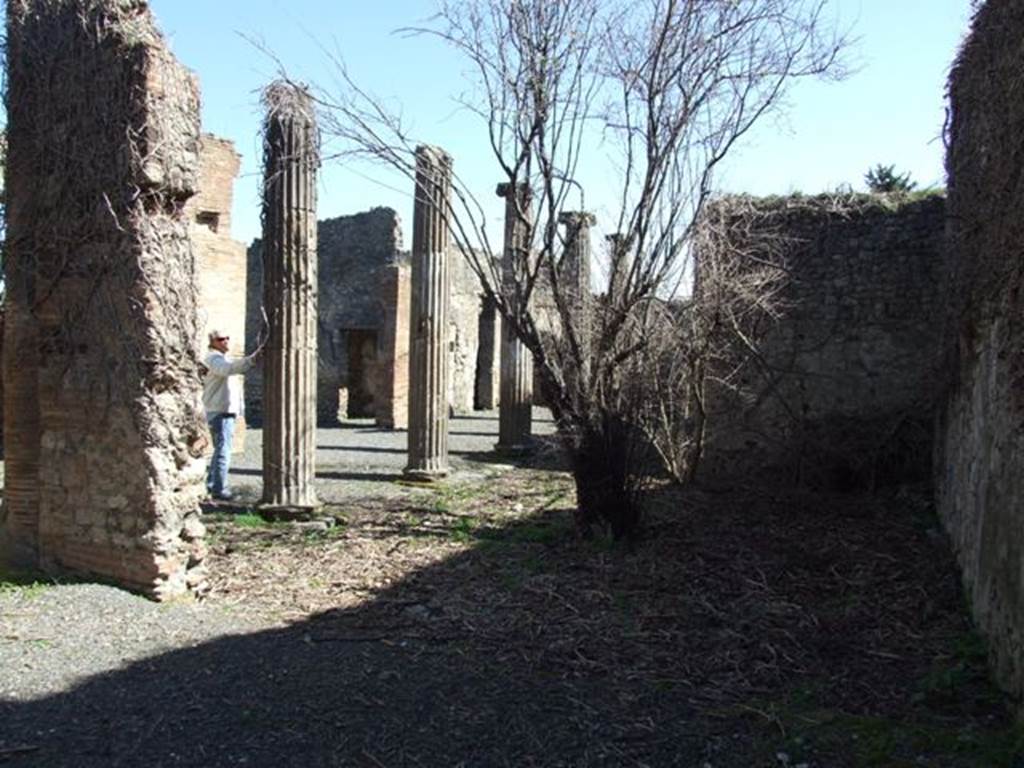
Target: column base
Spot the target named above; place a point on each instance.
(289, 512)
(425, 475)
(514, 449)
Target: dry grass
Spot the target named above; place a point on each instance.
(832, 627)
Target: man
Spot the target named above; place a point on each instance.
(222, 399)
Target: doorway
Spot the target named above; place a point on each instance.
(361, 350)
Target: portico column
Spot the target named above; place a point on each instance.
(515, 416)
(428, 329)
(290, 298)
(575, 279)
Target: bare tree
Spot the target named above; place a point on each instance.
(709, 348)
(668, 87)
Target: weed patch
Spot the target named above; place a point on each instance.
(23, 587)
(804, 727)
(463, 529)
(250, 520)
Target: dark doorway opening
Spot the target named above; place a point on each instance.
(485, 385)
(361, 348)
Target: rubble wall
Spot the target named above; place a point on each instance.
(844, 392)
(353, 256)
(105, 418)
(463, 332)
(979, 460)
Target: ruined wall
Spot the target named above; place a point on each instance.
(393, 351)
(354, 253)
(979, 467)
(362, 323)
(488, 357)
(105, 432)
(463, 332)
(844, 394)
(220, 260)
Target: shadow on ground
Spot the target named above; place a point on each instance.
(825, 629)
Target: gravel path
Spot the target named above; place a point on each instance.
(52, 638)
(360, 459)
(94, 677)
(280, 698)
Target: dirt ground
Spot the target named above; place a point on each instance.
(745, 629)
(466, 625)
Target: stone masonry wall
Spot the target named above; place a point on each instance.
(979, 459)
(220, 260)
(354, 253)
(844, 397)
(105, 430)
(392, 383)
(463, 332)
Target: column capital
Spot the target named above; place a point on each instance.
(576, 219)
(504, 189)
(433, 155)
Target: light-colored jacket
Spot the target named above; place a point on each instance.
(222, 390)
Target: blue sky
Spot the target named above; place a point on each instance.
(890, 111)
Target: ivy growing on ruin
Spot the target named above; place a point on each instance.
(101, 366)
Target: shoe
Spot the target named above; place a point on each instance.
(223, 496)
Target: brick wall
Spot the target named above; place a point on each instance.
(103, 422)
(220, 260)
(393, 371)
(218, 169)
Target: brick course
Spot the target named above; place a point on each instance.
(103, 420)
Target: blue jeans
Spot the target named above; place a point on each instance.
(222, 428)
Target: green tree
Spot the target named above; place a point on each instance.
(883, 179)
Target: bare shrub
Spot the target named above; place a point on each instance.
(671, 86)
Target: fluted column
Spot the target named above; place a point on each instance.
(515, 416)
(575, 282)
(428, 334)
(290, 296)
